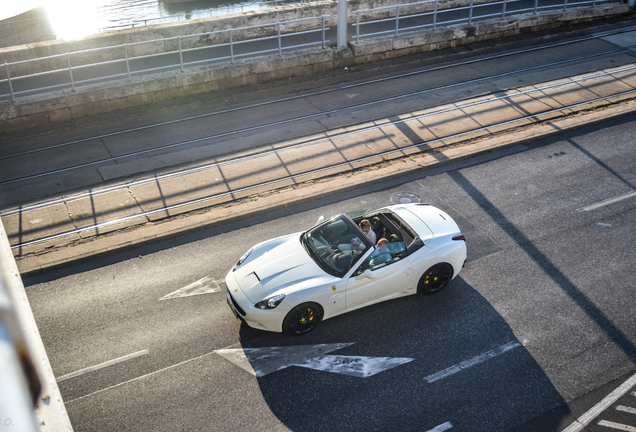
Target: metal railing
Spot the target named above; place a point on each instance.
(215, 12)
(124, 61)
(455, 15)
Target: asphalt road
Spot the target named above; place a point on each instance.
(536, 329)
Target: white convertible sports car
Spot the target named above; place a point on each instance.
(293, 282)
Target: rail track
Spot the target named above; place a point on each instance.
(317, 155)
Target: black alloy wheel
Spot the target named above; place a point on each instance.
(302, 319)
(435, 279)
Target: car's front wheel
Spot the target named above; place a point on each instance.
(302, 319)
(435, 279)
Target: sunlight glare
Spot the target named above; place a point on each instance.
(73, 19)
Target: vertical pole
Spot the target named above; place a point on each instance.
(503, 15)
(470, 15)
(536, 6)
(357, 26)
(231, 48)
(324, 41)
(9, 78)
(180, 54)
(127, 62)
(342, 24)
(70, 70)
(280, 48)
(397, 20)
(435, 16)
(565, 5)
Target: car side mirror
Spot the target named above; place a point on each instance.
(367, 274)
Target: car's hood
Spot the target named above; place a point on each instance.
(280, 263)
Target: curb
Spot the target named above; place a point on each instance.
(153, 232)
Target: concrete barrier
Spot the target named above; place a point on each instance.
(49, 413)
(54, 107)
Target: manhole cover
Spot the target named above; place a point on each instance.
(404, 198)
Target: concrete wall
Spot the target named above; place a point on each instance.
(65, 105)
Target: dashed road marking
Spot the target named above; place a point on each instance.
(472, 362)
(102, 365)
(626, 409)
(597, 409)
(617, 426)
(607, 202)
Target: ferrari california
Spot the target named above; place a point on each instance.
(291, 283)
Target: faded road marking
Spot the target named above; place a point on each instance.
(206, 285)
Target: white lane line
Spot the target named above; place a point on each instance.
(626, 409)
(441, 428)
(472, 362)
(102, 365)
(586, 418)
(607, 202)
(617, 426)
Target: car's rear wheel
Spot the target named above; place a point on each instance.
(302, 319)
(435, 279)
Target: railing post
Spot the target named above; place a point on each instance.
(565, 5)
(397, 20)
(6, 66)
(324, 33)
(357, 26)
(127, 62)
(231, 48)
(470, 14)
(536, 6)
(280, 48)
(503, 15)
(180, 54)
(70, 70)
(435, 16)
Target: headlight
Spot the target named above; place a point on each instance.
(271, 302)
(243, 258)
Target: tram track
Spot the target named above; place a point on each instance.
(365, 136)
(325, 113)
(359, 162)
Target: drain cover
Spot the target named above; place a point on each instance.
(404, 198)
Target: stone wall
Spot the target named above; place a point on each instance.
(54, 107)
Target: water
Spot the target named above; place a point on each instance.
(74, 19)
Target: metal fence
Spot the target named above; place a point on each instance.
(176, 53)
(402, 19)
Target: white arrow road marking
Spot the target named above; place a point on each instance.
(263, 361)
(352, 95)
(356, 366)
(207, 285)
(472, 362)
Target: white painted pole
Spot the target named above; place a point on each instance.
(342, 24)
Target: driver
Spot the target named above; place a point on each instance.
(356, 243)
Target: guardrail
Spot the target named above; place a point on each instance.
(463, 14)
(123, 61)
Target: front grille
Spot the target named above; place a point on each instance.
(236, 305)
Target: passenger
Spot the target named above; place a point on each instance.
(365, 226)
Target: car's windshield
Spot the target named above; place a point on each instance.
(336, 245)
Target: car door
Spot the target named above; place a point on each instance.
(384, 274)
